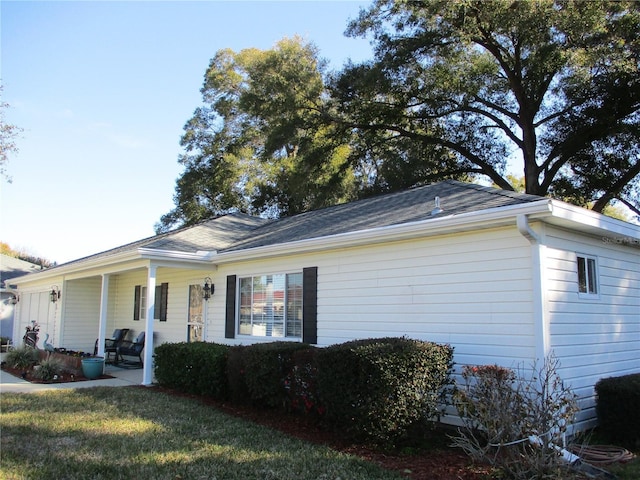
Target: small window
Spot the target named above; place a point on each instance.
(140, 302)
(271, 306)
(587, 275)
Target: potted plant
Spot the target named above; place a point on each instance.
(92, 367)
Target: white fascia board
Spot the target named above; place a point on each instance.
(597, 223)
(440, 225)
(77, 266)
(117, 262)
(164, 255)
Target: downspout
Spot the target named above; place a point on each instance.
(538, 254)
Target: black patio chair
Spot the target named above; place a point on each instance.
(131, 349)
(111, 344)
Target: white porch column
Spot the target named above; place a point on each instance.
(147, 372)
(104, 298)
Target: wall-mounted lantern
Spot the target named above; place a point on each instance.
(208, 288)
(54, 294)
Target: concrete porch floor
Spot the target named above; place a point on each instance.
(121, 378)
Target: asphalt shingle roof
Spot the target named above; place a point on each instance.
(11, 267)
(384, 210)
(237, 231)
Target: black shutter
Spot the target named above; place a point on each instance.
(136, 303)
(162, 295)
(230, 316)
(310, 305)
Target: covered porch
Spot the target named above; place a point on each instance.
(149, 295)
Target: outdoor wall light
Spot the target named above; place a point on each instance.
(55, 293)
(208, 288)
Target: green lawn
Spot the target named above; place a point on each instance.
(137, 433)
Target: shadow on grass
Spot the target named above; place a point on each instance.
(111, 433)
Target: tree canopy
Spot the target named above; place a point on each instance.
(8, 134)
(463, 90)
(259, 143)
(550, 85)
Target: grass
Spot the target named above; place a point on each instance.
(124, 433)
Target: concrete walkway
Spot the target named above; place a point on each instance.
(121, 378)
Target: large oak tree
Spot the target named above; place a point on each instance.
(552, 86)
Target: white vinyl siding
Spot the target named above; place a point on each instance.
(471, 290)
(594, 336)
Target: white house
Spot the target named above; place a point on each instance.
(503, 277)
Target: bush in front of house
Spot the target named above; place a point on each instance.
(266, 368)
(301, 384)
(48, 369)
(195, 367)
(22, 357)
(238, 392)
(377, 389)
(618, 399)
(515, 421)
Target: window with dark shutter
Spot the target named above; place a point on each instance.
(274, 305)
(162, 297)
(230, 315)
(310, 305)
(136, 302)
(161, 301)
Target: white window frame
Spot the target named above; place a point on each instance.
(589, 286)
(143, 302)
(262, 320)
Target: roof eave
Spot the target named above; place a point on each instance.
(165, 257)
(428, 227)
(594, 223)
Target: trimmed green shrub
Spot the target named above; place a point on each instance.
(238, 391)
(376, 389)
(196, 367)
(617, 406)
(266, 367)
(301, 383)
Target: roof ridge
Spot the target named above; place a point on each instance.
(497, 191)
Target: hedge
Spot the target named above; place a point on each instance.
(379, 388)
(618, 409)
(263, 369)
(196, 367)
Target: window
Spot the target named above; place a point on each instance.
(587, 275)
(195, 322)
(140, 302)
(271, 305)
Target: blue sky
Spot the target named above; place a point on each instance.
(102, 90)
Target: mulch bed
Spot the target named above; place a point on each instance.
(432, 464)
(64, 377)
